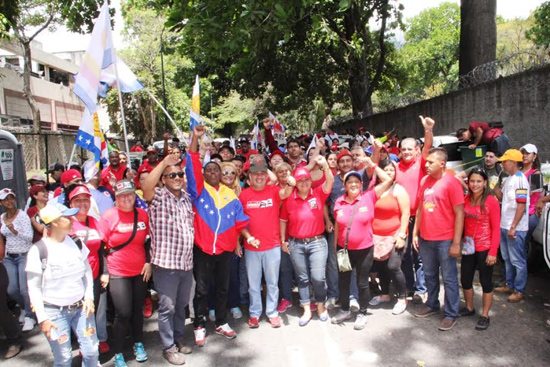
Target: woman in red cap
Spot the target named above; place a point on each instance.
(302, 213)
(85, 228)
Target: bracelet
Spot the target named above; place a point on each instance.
(250, 239)
(374, 165)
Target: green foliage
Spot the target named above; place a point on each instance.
(303, 50)
(511, 36)
(540, 32)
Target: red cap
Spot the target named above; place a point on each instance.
(70, 175)
(342, 154)
(277, 152)
(80, 190)
(36, 189)
(301, 173)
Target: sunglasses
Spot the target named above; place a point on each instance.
(227, 173)
(173, 175)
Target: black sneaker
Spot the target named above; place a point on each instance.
(483, 323)
(465, 312)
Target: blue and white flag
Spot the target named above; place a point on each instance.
(127, 80)
(195, 104)
(90, 137)
(99, 55)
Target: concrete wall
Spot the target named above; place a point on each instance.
(521, 102)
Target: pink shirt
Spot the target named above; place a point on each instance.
(360, 235)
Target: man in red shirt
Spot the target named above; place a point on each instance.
(115, 171)
(261, 204)
(137, 147)
(438, 235)
(483, 133)
(410, 171)
(150, 163)
(245, 148)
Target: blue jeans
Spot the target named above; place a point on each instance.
(333, 290)
(174, 291)
(412, 265)
(436, 255)
(310, 260)
(266, 263)
(286, 275)
(17, 287)
(83, 327)
(515, 263)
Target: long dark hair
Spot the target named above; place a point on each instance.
(68, 191)
(486, 192)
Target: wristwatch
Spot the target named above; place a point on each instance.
(403, 236)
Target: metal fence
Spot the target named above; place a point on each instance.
(45, 148)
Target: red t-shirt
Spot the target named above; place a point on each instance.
(437, 199)
(93, 242)
(262, 207)
(409, 176)
(119, 175)
(32, 212)
(305, 216)
(115, 228)
(135, 148)
(483, 226)
(360, 234)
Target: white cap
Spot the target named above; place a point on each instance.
(530, 148)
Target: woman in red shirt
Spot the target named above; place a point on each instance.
(124, 228)
(39, 199)
(354, 213)
(482, 227)
(85, 228)
(391, 219)
(302, 213)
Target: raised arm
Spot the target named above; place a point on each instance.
(150, 182)
(193, 168)
(269, 140)
(428, 124)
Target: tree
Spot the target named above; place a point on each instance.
(28, 18)
(478, 34)
(540, 33)
(305, 50)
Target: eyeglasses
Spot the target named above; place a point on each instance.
(173, 175)
(227, 173)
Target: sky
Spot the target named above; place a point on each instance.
(62, 40)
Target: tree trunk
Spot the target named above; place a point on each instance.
(359, 86)
(478, 34)
(27, 69)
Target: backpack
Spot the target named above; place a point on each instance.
(43, 251)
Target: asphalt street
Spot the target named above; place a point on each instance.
(517, 337)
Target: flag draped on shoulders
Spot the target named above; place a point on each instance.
(90, 137)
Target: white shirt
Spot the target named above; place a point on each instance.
(67, 278)
(22, 242)
(509, 204)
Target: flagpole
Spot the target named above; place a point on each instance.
(71, 157)
(165, 112)
(122, 111)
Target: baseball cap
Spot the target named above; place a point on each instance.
(258, 166)
(37, 177)
(530, 148)
(36, 189)
(54, 211)
(301, 173)
(70, 175)
(151, 149)
(277, 152)
(5, 192)
(351, 174)
(56, 167)
(243, 140)
(80, 190)
(124, 186)
(511, 155)
(342, 154)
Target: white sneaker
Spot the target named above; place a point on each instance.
(330, 303)
(29, 324)
(360, 322)
(200, 337)
(236, 313)
(375, 301)
(399, 308)
(212, 315)
(354, 305)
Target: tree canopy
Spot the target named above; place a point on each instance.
(540, 33)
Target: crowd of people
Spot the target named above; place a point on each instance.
(208, 229)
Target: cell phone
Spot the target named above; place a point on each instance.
(535, 182)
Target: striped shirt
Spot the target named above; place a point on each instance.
(172, 232)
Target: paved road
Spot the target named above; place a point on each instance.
(517, 337)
